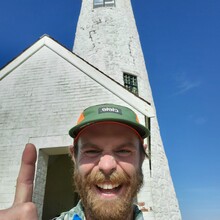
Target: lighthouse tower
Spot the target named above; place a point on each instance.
(107, 38)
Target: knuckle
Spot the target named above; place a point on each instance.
(29, 208)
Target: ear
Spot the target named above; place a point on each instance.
(145, 147)
(143, 156)
(71, 152)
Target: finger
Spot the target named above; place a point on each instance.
(24, 188)
(28, 211)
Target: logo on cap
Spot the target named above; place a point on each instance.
(110, 110)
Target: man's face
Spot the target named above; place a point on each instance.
(108, 170)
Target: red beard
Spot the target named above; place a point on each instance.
(117, 208)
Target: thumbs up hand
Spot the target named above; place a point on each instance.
(23, 208)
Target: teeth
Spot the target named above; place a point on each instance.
(108, 186)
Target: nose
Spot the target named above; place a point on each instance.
(107, 164)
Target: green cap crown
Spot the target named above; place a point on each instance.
(109, 112)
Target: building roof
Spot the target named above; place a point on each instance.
(103, 79)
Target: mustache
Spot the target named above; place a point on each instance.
(113, 178)
(99, 177)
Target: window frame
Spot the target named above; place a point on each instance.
(128, 84)
(103, 3)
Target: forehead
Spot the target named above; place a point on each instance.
(102, 131)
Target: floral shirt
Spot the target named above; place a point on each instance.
(77, 213)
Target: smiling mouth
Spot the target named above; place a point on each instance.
(109, 189)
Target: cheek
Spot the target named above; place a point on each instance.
(85, 168)
(129, 168)
(130, 164)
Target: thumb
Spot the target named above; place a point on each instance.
(24, 187)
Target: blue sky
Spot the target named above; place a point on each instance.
(180, 41)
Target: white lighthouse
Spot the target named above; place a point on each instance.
(107, 37)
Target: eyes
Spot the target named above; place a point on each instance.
(91, 153)
(97, 152)
(124, 152)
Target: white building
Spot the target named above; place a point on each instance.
(44, 90)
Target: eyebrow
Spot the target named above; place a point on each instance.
(127, 144)
(89, 144)
(93, 145)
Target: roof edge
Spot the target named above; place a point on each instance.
(133, 100)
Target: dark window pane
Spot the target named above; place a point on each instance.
(130, 83)
(102, 3)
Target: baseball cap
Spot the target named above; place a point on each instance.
(109, 113)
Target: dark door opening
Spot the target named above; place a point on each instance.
(59, 191)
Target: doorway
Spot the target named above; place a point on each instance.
(59, 191)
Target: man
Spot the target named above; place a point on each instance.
(108, 153)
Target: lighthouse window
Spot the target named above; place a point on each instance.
(130, 83)
(103, 3)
